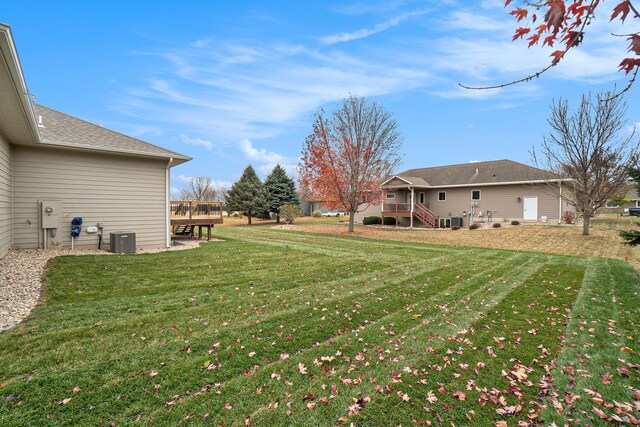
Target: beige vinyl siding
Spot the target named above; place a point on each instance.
(123, 192)
(5, 197)
(501, 200)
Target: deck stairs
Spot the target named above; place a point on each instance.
(425, 215)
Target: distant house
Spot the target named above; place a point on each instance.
(462, 194)
(55, 167)
(631, 199)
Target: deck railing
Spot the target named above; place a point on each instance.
(401, 207)
(193, 209)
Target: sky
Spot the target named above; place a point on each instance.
(232, 83)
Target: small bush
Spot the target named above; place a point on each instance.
(497, 225)
(389, 220)
(455, 227)
(316, 214)
(474, 226)
(514, 222)
(505, 220)
(289, 211)
(371, 220)
(568, 217)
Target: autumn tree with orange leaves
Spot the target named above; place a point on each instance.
(563, 24)
(348, 154)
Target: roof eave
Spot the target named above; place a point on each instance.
(177, 157)
(19, 82)
(484, 184)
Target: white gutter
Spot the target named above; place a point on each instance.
(560, 204)
(489, 184)
(167, 175)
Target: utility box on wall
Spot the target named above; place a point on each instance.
(51, 223)
(122, 242)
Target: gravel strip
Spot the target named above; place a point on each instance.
(21, 272)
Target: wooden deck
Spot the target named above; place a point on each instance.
(187, 216)
(420, 211)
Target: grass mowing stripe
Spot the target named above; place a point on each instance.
(413, 341)
(603, 322)
(368, 331)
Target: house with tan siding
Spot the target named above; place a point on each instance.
(76, 168)
(458, 195)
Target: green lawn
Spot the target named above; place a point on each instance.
(274, 327)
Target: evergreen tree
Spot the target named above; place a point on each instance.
(248, 195)
(281, 189)
(632, 237)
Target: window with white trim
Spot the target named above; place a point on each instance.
(611, 204)
(442, 196)
(475, 195)
(637, 203)
(391, 196)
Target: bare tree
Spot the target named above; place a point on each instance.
(346, 156)
(200, 188)
(587, 146)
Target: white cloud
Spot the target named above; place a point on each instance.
(209, 91)
(267, 160)
(196, 141)
(366, 32)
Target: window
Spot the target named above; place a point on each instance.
(637, 203)
(444, 222)
(475, 195)
(611, 204)
(442, 195)
(391, 196)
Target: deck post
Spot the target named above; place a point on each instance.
(411, 216)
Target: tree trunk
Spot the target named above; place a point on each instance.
(249, 217)
(278, 218)
(585, 225)
(352, 215)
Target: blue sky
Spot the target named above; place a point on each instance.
(233, 83)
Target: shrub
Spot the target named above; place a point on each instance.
(371, 220)
(474, 226)
(289, 211)
(389, 220)
(568, 217)
(455, 227)
(497, 225)
(316, 214)
(514, 222)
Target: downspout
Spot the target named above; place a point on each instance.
(167, 175)
(560, 203)
(411, 217)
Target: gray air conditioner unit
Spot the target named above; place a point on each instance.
(122, 242)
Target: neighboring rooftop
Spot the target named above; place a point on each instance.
(57, 128)
(491, 172)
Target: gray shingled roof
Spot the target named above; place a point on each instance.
(492, 172)
(61, 129)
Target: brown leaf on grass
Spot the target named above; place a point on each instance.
(599, 413)
(302, 369)
(76, 390)
(153, 373)
(228, 406)
(65, 401)
(459, 395)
